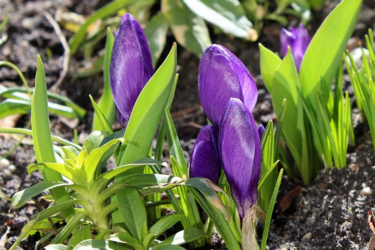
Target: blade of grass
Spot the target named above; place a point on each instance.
(42, 137)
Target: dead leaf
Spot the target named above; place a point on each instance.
(286, 201)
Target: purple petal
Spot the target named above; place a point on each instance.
(205, 161)
(240, 149)
(300, 45)
(286, 39)
(248, 86)
(261, 130)
(131, 65)
(223, 76)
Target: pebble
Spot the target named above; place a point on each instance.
(366, 191)
(12, 168)
(4, 163)
(306, 237)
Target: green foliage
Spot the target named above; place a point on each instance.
(184, 18)
(259, 11)
(317, 125)
(105, 112)
(362, 79)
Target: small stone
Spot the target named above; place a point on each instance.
(4, 163)
(12, 168)
(354, 167)
(366, 191)
(306, 237)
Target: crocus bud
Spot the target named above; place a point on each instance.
(240, 149)
(298, 40)
(261, 130)
(204, 159)
(131, 66)
(223, 76)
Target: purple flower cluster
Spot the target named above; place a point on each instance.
(228, 94)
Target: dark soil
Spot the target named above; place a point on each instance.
(330, 214)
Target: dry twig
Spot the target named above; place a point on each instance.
(66, 47)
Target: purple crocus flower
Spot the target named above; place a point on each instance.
(205, 160)
(223, 76)
(298, 40)
(131, 66)
(240, 148)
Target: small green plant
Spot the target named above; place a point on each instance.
(317, 123)
(363, 83)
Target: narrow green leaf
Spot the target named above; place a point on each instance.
(330, 42)
(106, 104)
(268, 65)
(286, 85)
(183, 237)
(148, 110)
(99, 245)
(174, 144)
(100, 122)
(189, 29)
(81, 234)
(164, 224)
(13, 107)
(23, 131)
(55, 247)
(133, 213)
(42, 136)
(228, 15)
(68, 228)
(270, 211)
(21, 197)
(105, 11)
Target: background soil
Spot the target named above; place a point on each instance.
(330, 214)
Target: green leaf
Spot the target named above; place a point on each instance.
(23, 131)
(156, 33)
(97, 158)
(183, 237)
(133, 212)
(93, 141)
(174, 145)
(151, 180)
(12, 107)
(286, 86)
(42, 136)
(106, 177)
(270, 211)
(21, 197)
(44, 215)
(108, 10)
(189, 29)
(148, 111)
(101, 123)
(55, 247)
(166, 247)
(98, 245)
(269, 62)
(68, 228)
(106, 104)
(81, 234)
(208, 189)
(228, 15)
(72, 109)
(72, 174)
(329, 43)
(127, 239)
(165, 223)
(222, 224)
